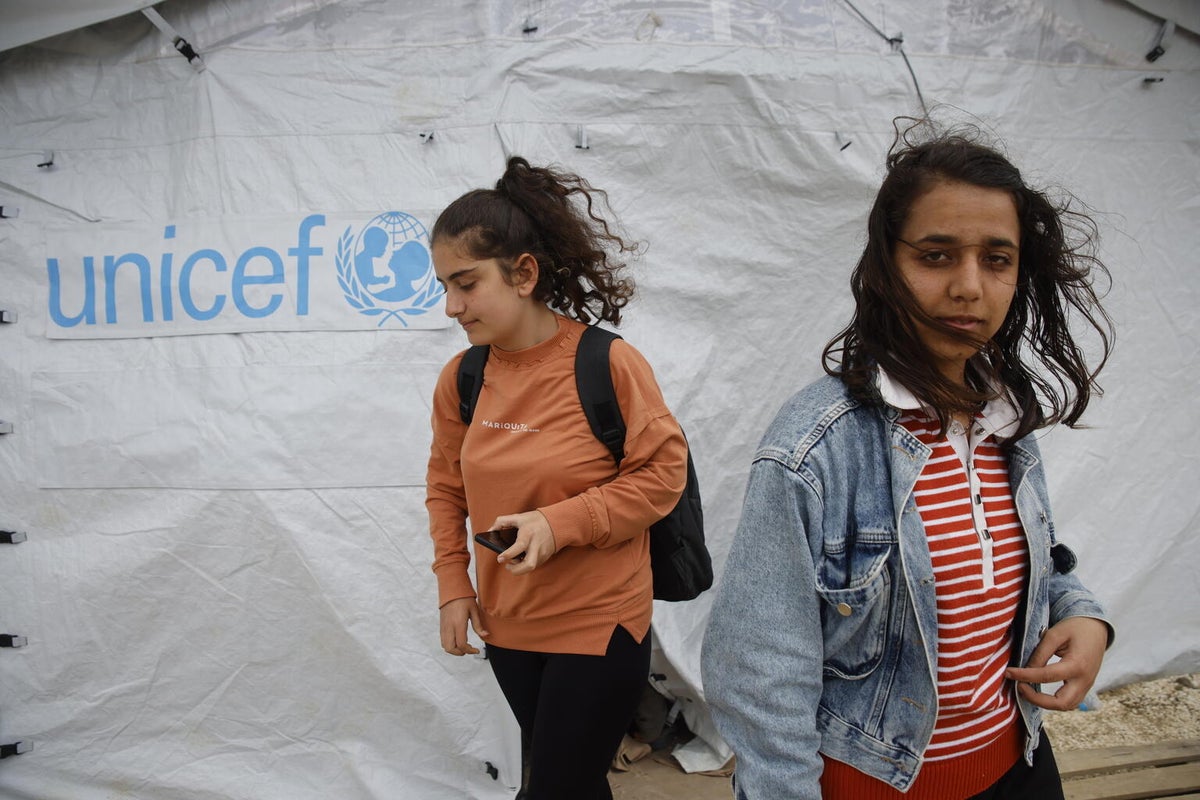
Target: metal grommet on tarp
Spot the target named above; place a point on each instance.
(15, 748)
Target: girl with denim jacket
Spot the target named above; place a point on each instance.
(895, 590)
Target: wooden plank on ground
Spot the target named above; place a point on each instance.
(1077, 763)
(1156, 782)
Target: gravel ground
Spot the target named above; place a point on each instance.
(1163, 710)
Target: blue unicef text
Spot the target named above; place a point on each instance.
(257, 266)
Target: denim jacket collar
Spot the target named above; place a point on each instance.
(999, 415)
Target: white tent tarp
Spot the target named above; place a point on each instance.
(226, 587)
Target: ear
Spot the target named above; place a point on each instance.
(524, 274)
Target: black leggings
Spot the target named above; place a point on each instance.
(1039, 780)
(573, 711)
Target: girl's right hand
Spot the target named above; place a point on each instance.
(454, 616)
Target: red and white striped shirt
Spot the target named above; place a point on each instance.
(980, 562)
(980, 567)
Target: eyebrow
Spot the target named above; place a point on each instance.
(947, 239)
(457, 275)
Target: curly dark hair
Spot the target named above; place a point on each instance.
(1056, 276)
(553, 216)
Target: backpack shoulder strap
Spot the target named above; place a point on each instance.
(470, 379)
(593, 379)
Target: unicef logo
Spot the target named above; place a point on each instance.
(386, 271)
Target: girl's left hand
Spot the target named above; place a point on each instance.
(1079, 642)
(534, 539)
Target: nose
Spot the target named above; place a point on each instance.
(967, 283)
(454, 304)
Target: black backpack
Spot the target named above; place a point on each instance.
(678, 558)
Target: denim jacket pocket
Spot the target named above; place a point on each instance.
(854, 618)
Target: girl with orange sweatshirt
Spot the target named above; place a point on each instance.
(565, 611)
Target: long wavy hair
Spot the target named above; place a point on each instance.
(555, 217)
(1034, 354)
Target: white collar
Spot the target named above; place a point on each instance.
(999, 415)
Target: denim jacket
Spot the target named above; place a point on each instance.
(823, 633)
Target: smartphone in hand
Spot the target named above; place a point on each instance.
(499, 540)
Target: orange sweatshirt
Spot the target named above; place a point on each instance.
(529, 447)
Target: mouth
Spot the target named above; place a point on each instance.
(962, 323)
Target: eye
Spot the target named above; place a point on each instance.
(999, 260)
(466, 287)
(935, 256)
